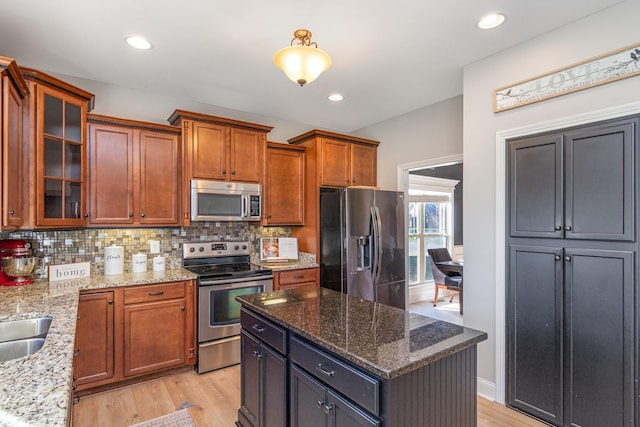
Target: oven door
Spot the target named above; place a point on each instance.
(218, 310)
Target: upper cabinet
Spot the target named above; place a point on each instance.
(57, 135)
(575, 185)
(342, 160)
(134, 173)
(284, 185)
(331, 160)
(13, 107)
(219, 149)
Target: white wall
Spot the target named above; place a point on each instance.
(136, 104)
(600, 33)
(431, 132)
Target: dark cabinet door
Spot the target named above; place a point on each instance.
(250, 378)
(274, 390)
(535, 182)
(599, 194)
(534, 320)
(598, 338)
(343, 413)
(307, 401)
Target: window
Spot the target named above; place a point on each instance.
(430, 223)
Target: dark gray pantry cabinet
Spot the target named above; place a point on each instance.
(572, 227)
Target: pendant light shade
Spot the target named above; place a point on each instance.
(302, 62)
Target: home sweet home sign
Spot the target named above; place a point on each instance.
(606, 68)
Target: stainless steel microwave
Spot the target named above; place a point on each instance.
(225, 201)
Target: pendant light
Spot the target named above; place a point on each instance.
(303, 61)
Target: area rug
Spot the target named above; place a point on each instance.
(179, 418)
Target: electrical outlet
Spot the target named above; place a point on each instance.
(154, 246)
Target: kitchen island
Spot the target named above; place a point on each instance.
(353, 362)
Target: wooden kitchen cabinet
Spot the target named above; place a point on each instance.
(286, 279)
(128, 332)
(284, 185)
(57, 118)
(219, 149)
(13, 108)
(134, 173)
(94, 351)
(331, 160)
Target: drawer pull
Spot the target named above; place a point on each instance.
(154, 294)
(322, 370)
(300, 276)
(258, 328)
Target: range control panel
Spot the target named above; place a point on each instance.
(211, 249)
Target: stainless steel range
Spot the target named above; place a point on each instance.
(224, 271)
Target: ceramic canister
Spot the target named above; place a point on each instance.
(139, 263)
(113, 260)
(158, 263)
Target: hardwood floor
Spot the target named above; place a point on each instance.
(213, 400)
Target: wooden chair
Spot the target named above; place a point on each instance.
(450, 281)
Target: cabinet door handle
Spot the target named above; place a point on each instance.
(224, 171)
(233, 172)
(110, 301)
(76, 399)
(567, 228)
(567, 259)
(153, 294)
(257, 354)
(76, 353)
(11, 212)
(142, 215)
(557, 228)
(322, 370)
(258, 328)
(320, 403)
(182, 308)
(328, 408)
(268, 216)
(86, 215)
(130, 214)
(557, 257)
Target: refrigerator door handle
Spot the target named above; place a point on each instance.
(377, 247)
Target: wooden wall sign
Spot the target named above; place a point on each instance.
(606, 68)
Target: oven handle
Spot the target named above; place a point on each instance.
(217, 342)
(237, 284)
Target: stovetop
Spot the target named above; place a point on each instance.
(220, 260)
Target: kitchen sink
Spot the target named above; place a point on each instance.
(27, 328)
(19, 338)
(19, 348)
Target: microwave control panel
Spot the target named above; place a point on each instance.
(254, 206)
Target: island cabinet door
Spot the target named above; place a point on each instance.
(343, 413)
(250, 378)
(308, 400)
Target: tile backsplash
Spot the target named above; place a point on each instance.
(87, 245)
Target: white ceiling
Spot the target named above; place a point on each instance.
(389, 57)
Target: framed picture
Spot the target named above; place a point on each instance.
(612, 66)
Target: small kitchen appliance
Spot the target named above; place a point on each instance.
(16, 262)
(224, 271)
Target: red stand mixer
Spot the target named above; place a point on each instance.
(16, 262)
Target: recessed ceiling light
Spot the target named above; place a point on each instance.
(492, 20)
(335, 97)
(138, 42)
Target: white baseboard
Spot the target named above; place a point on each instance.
(422, 292)
(487, 389)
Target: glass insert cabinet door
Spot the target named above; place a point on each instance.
(61, 158)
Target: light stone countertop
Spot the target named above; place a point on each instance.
(36, 390)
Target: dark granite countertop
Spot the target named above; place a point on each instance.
(381, 339)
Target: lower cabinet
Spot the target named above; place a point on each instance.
(94, 353)
(314, 404)
(287, 279)
(132, 331)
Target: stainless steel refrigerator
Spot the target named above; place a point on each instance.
(362, 244)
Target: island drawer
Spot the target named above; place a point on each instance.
(361, 388)
(145, 293)
(264, 330)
